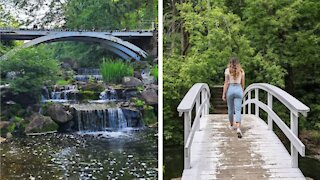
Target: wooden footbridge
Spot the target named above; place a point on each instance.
(213, 151)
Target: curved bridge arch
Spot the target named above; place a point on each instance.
(116, 45)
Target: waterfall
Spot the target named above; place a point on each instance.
(56, 95)
(84, 74)
(109, 95)
(112, 115)
(99, 118)
(88, 71)
(122, 119)
(59, 94)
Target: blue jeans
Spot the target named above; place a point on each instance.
(234, 100)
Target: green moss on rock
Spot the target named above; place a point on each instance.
(88, 95)
(39, 123)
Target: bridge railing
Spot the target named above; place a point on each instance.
(143, 26)
(198, 97)
(294, 105)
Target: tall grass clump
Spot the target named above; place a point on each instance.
(114, 71)
(154, 72)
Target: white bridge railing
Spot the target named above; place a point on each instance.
(294, 105)
(198, 95)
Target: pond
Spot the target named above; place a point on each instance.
(125, 154)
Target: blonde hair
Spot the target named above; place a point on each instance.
(234, 67)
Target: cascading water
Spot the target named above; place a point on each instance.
(122, 119)
(88, 71)
(97, 117)
(60, 95)
(84, 74)
(109, 95)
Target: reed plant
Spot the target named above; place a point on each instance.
(154, 72)
(114, 70)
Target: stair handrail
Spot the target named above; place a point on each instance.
(199, 95)
(293, 104)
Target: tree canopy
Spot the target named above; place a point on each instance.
(277, 42)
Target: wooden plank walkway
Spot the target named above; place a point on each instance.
(217, 153)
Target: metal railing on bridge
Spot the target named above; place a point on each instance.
(145, 26)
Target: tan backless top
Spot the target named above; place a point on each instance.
(231, 78)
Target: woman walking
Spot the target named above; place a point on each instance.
(233, 91)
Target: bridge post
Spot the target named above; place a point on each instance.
(203, 98)
(294, 129)
(198, 111)
(256, 96)
(187, 158)
(187, 128)
(206, 106)
(270, 122)
(244, 107)
(249, 105)
(208, 103)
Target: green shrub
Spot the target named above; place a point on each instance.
(138, 102)
(63, 82)
(154, 72)
(149, 117)
(35, 67)
(114, 71)
(140, 88)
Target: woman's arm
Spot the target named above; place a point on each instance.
(225, 87)
(242, 81)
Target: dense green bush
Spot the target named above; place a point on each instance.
(273, 41)
(114, 71)
(34, 68)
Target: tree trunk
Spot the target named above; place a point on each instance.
(173, 24)
(289, 85)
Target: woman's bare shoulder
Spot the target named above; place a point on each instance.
(226, 71)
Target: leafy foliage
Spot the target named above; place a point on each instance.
(63, 82)
(114, 71)
(154, 72)
(138, 102)
(6, 20)
(109, 14)
(273, 40)
(34, 68)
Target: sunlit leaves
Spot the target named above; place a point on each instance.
(34, 68)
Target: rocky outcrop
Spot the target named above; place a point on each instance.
(137, 74)
(4, 124)
(133, 117)
(39, 123)
(131, 82)
(58, 113)
(2, 139)
(150, 96)
(91, 86)
(147, 79)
